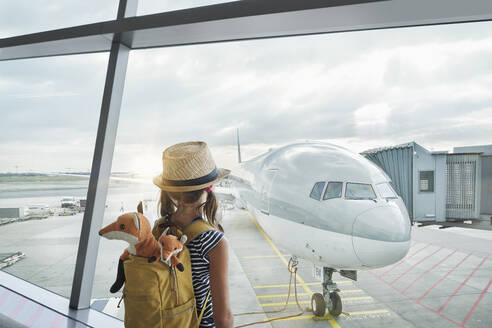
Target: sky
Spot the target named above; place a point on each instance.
(359, 90)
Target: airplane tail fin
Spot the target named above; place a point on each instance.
(238, 148)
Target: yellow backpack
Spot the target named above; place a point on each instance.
(156, 296)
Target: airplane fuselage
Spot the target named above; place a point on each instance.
(327, 205)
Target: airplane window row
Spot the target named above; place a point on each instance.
(352, 190)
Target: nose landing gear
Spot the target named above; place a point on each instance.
(330, 299)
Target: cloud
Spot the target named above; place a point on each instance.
(25, 17)
(360, 90)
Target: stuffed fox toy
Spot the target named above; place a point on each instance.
(170, 248)
(134, 228)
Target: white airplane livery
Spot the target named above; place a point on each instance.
(327, 205)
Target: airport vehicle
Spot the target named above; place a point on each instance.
(67, 202)
(65, 211)
(327, 205)
(37, 212)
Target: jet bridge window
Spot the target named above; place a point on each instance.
(333, 190)
(317, 190)
(426, 181)
(359, 191)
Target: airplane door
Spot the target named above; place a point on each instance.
(269, 177)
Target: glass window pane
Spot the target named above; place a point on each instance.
(426, 181)
(50, 110)
(333, 190)
(359, 191)
(317, 190)
(385, 190)
(32, 16)
(275, 92)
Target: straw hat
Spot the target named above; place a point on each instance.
(188, 166)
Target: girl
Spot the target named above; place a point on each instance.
(186, 195)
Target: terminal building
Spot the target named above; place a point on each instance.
(438, 185)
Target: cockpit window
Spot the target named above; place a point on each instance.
(359, 191)
(317, 190)
(385, 190)
(333, 190)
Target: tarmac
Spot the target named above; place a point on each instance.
(444, 281)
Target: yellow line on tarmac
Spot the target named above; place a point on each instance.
(305, 317)
(349, 291)
(281, 295)
(365, 312)
(332, 321)
(283, 303)
(340, 282)
(362, 298)
(262, 256)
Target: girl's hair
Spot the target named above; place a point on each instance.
(166, 206)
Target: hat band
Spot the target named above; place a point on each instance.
(193, 182)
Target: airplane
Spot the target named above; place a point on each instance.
(326, 205)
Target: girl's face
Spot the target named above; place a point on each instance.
(178, 200)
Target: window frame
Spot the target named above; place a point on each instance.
(116, 36)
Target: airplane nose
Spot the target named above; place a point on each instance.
(381, 235)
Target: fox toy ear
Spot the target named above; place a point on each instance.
(140, 208)
(183, 239)
(136, 221)
(164, 233)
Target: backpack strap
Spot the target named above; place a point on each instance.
(196, 228)
(203, 309)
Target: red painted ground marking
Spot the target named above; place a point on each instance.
(444, 277)
(440, 314)
(58, 320)
(32, 320)
(425, 306)
(18, 308)
(461, 286)
(476, 304)
(413, 266)
(406, 258)
(4, 296)
(429, 270)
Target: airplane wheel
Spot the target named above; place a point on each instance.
(335, 305)
(318, 304)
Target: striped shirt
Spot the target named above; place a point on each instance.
(200, 272)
